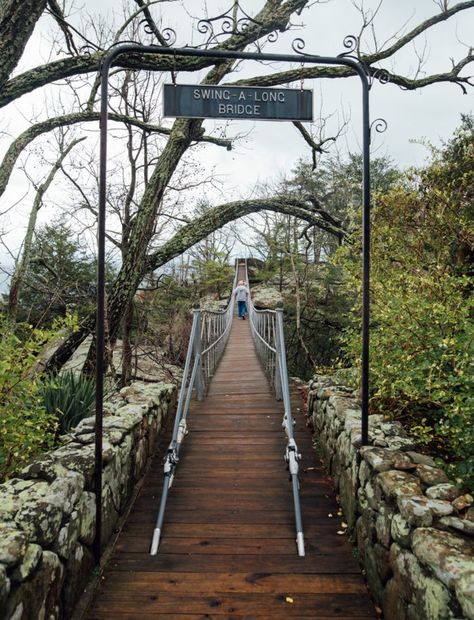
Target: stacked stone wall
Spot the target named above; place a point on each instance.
(47, 513)
(413, 529)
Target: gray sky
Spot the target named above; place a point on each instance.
(271, 149)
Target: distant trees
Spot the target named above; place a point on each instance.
(60, 277)
(299, 258)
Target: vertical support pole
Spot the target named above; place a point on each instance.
(197, 351)
(278, 346)
(100, 313)
(365, 262)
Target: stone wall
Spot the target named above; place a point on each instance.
(47, 514)
(413, 529)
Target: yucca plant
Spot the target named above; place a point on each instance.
(70, 397)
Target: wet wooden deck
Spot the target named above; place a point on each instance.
(228, 544)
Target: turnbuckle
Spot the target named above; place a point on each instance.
(292, 457)
(170, 461)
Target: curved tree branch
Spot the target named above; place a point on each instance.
(423, 27)
(219, 216)
(22, 141)
(184, 239)
(274, 15)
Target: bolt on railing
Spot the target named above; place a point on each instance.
(268, 335)
(209, 334)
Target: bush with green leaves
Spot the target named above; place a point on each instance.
(69, 397)
(422, 328)
(26, 428)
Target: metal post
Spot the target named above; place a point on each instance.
(100, 311)
(365, 266)
(197, 351)
(291, 454)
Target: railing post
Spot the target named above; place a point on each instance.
(197, 351)
(278, 347)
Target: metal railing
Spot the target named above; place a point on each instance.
(209, 334)
(267, 332)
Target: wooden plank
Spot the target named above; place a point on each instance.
(338, 564)
(224, 546)
(239, 582)
(228, 531)
(225, 603)
(105, 615)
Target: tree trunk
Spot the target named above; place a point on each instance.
(17, 21)
(126, 345)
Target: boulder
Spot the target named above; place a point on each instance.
(147, 394)
(396, 484)
(78, 570)
(13, 544)
(464, 588)
(402, 461)
(462, 525)
(448, 556)
(415, 511)
(383, 525)
(86, 510)
(446, 491)
(4, 586)
(30, 562)
(39, 596)
(430, 598)
(400, 530)
(380, 459)
(266, 297)
(431, 475)
(462, 502)
(401, 443)
(66, 491)
(68, 537)
(372, 572)
(395, 607)
(40, 521)
(421, 459)
(79, 459)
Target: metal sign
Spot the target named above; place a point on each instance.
(238, 102)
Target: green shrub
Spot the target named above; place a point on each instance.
(26, 428)
(422, 306)
(69, 397)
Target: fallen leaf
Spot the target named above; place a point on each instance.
(340, 532)
(288, 599)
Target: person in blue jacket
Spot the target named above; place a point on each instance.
(241, 293)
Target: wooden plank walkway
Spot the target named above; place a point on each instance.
(228, 545)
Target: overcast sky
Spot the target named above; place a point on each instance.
(271, 149)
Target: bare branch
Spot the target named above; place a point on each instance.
(22, 141)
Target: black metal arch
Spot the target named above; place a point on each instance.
(298, 45)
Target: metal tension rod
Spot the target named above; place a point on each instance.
(179, 429)
(217, 55)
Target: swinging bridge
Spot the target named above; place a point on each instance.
(217, 528)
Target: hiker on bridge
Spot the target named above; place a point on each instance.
(242, 294)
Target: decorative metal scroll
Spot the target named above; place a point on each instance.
(351, 45)
(231, 22)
